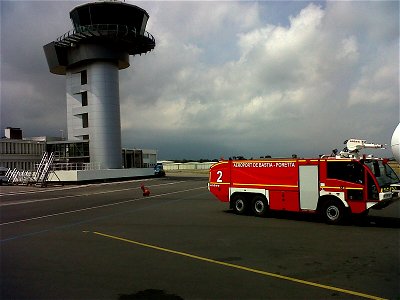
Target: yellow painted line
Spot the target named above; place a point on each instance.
(264, 185)
(341, 188)
(216, 183)
(219, 163)
(336, 160)
(268, 274)
(311, 160)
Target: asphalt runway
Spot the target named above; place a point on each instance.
(107, 241)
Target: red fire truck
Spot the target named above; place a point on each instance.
(333, 186)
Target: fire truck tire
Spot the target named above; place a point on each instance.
(240, 204)
(333, 212)
(259, 205)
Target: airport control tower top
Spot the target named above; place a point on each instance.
(118, 26)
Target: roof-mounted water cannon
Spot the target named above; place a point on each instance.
(353, 147)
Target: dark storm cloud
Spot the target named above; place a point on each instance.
(226, 78)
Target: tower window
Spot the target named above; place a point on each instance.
(84, 99)
(83, 77)
(85, 120)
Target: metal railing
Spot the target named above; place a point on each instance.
(15, 176)
(80, 33)
(38, 177)
(187, 166)
(75, 166)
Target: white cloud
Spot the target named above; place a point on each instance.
(378, 85)
(224, 80)
(289, 82)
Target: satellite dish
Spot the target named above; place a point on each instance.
(396, 143)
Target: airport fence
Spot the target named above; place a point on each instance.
(187, 166)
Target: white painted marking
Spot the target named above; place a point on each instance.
(98, 206)
(2, 194)
(19, 202)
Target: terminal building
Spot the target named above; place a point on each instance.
(17, 152)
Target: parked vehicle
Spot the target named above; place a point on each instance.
(3, 177)
(159, 170)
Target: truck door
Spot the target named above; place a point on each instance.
(372, 189)
(309, 187)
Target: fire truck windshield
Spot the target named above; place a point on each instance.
(383, 173)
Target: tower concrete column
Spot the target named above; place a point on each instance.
(104, 115)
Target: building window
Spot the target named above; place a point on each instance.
(84, 99)
(85, 120)
(83, 77)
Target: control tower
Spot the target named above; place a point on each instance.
(103, 37)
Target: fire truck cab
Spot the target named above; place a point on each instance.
(334, 187)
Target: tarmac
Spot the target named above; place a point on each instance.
(107, 241)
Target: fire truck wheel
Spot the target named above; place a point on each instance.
(333, 212)
(240, 205)
(260, 206)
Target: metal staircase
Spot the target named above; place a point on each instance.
(44, 168)
(38, 177)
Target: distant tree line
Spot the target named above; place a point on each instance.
(238, 157)
(202, 160)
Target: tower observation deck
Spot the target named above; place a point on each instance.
(103, 37)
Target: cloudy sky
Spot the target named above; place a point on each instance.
(249, 78)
